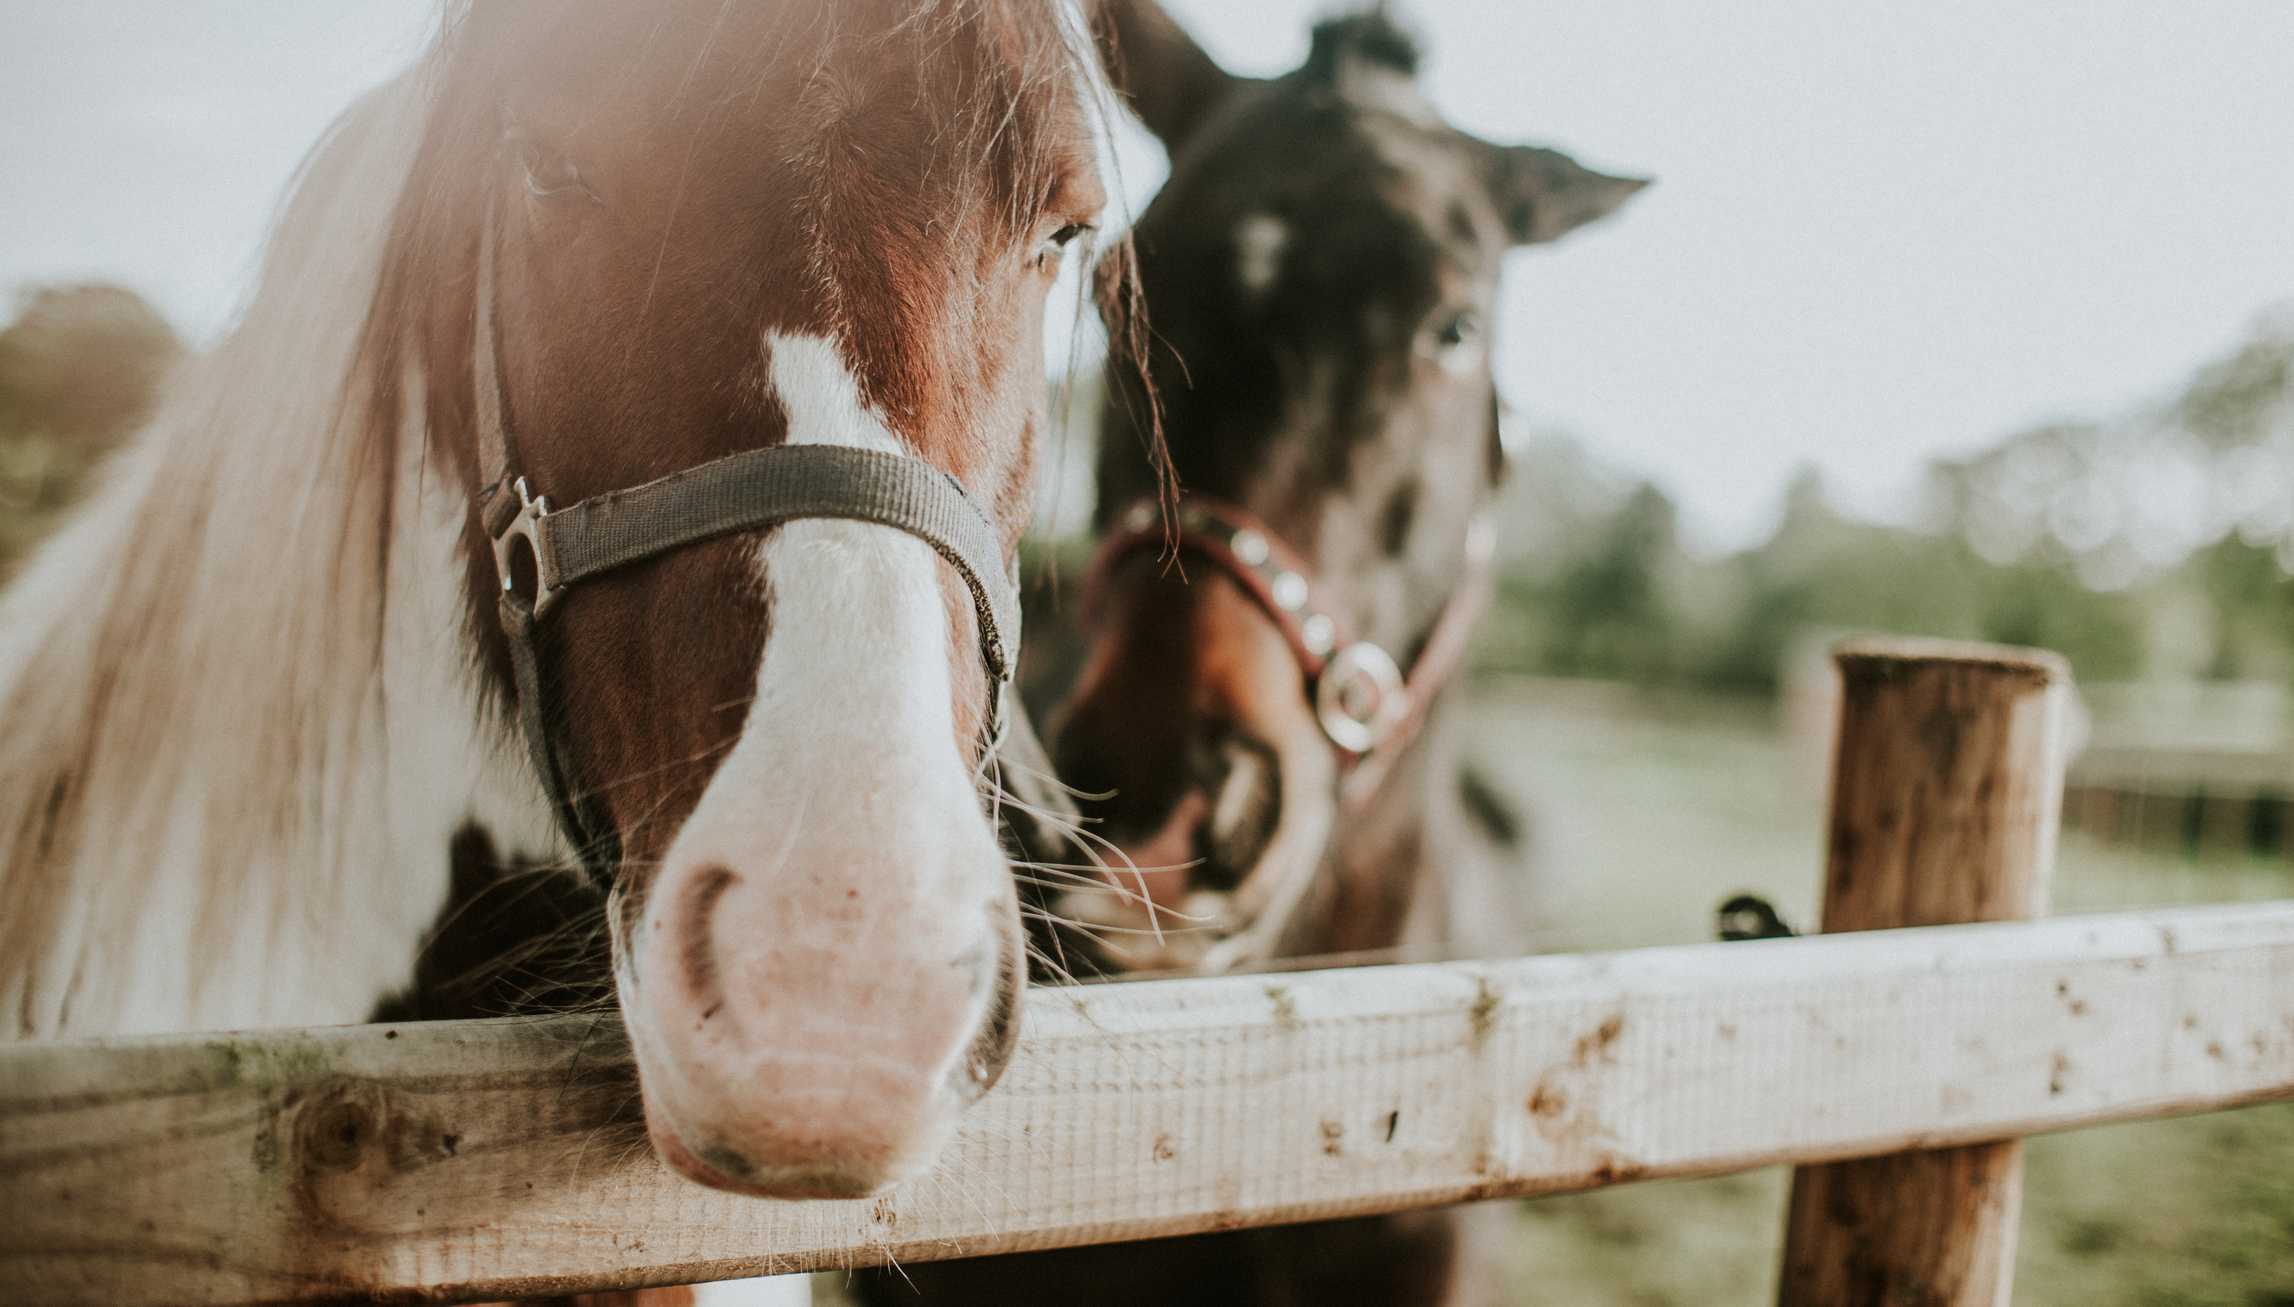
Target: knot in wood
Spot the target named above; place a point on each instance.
(338, 1125)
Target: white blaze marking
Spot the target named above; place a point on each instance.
(850, 745)
(1260, 239)
(1379, 86)
(858, 653)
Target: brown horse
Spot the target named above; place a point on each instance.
(264, 692)
(1261, 714)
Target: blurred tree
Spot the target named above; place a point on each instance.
(2252, 602)
(80, 368)
(2247, 398)
(1611, 612)
(82, 363)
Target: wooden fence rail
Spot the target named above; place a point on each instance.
(493, 1158)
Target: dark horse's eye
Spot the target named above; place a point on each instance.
(1458, 330)
(551, 173)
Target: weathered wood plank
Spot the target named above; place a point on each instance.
(1947, 790)
(495, 1158)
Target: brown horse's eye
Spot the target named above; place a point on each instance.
(1058, 241)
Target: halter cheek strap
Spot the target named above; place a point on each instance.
(541, 552)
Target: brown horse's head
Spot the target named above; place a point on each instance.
(720, 226)
(1321, 266)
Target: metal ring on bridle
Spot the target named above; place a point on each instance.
(526, 526)
(1360, 697)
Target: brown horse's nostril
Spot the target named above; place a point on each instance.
(1209, 820)
(1172, 732)
(697, 960)
(1244, 785)
(999, 1035)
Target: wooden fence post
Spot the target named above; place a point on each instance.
(1947, 785)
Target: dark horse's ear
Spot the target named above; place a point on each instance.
(1544, 194)
(1170, 82)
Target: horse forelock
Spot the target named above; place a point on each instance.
(938, 139)
(1372, 36)
(902, 123)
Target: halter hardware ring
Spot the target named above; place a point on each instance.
(1360, 697)
(525, 526)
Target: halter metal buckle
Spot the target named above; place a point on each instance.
(526, 526)
(1360, 697)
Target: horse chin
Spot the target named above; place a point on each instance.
(718, 1166)
(790, 1184)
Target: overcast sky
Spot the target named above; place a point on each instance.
(1881, 232)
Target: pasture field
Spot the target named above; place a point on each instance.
(1647, 811)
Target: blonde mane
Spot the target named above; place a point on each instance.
(240, 720)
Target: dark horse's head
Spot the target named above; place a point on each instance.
(690, 229)
(1319, 275)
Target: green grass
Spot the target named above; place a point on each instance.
(1647, 812)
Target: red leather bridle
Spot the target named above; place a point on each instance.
(1369, 708)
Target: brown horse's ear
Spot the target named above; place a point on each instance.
(1544, 194)
(1170, 82)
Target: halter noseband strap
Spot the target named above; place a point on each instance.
(540, 552)
(1369, 709)
(747, 491)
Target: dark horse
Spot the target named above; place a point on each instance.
(1261, 713)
